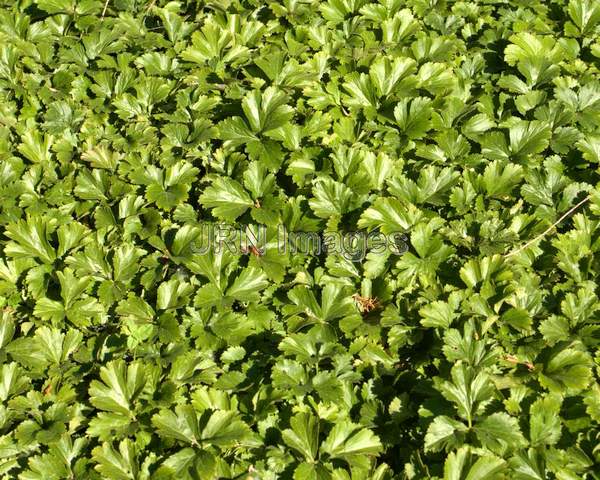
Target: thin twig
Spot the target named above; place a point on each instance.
(565, 215)
(150, 5)
(104, 9)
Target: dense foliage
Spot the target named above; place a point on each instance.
(471, 126)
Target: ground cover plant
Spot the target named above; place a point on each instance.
(128, 352)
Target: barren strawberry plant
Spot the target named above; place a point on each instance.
(299, 239)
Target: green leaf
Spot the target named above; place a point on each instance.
(248, 284)
(225, 429)
(330, 198)
(590, 146)
(227, 199)
(464, 465)
(437, 314)
(592, 402)
(126, 262)
(347, 440)
(220, 428)
(469, 390)
(12, 381)
(236, 132)
(529, 465)
(545, 424)
(120, 386)
(55, 346)
(266, 110)
(303, 436)
(585, 14)
(413, 117)
(567, 372)
(180, 425)
(361, 92)
(528, 138)
(387, 75)
(500, 433)
(30, 239)
(390, 215)
(501, 178)
(117, 465)
(172, 294)
(444, 433)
